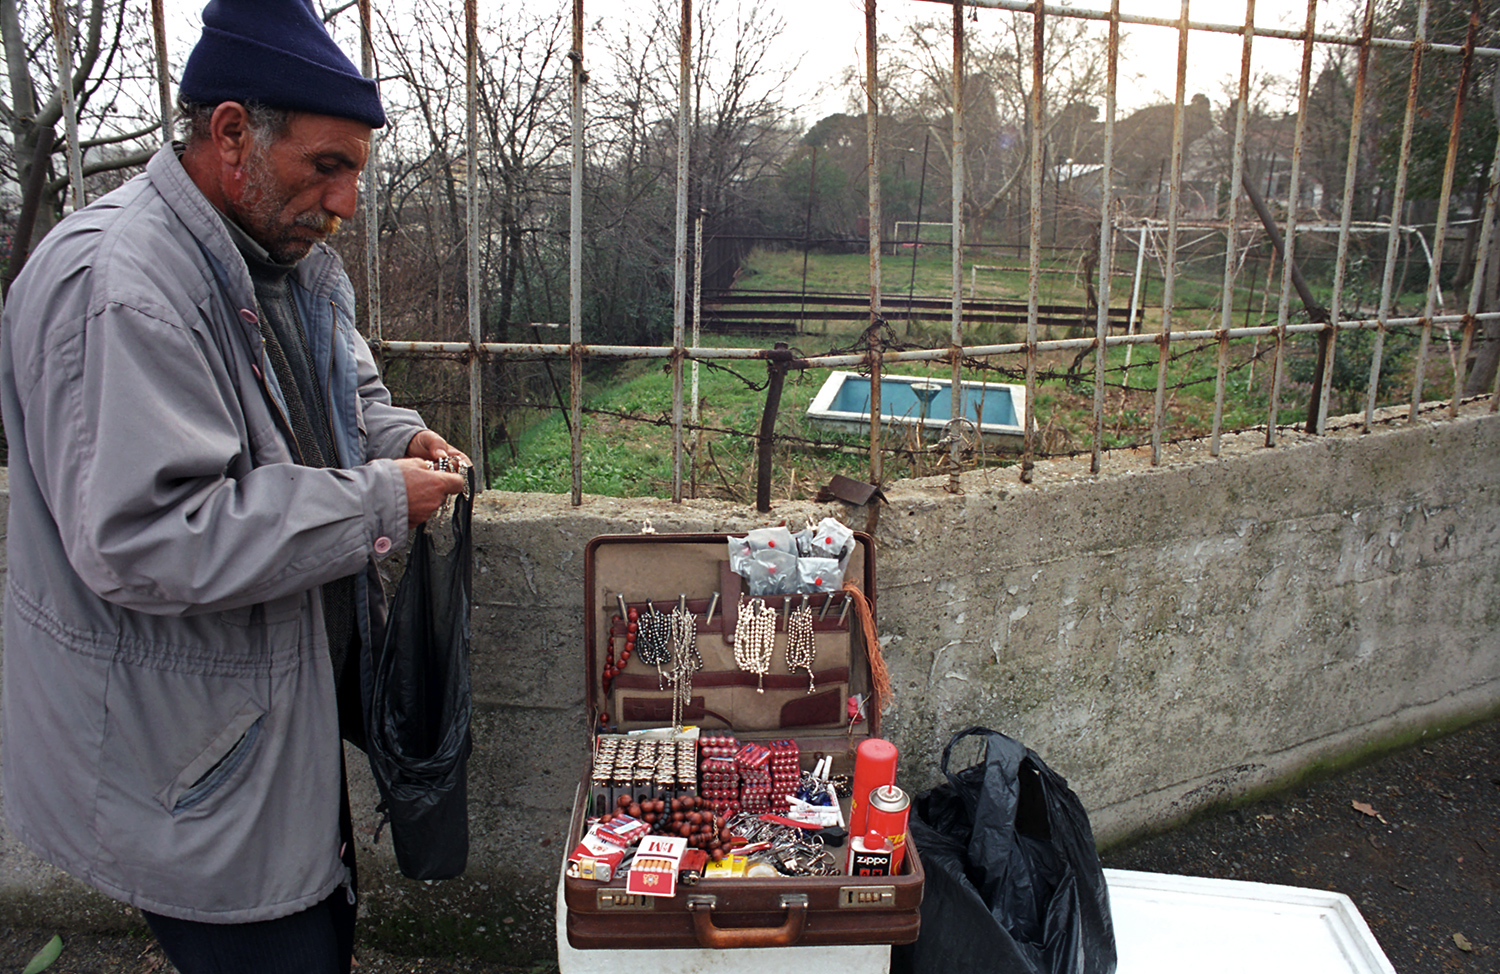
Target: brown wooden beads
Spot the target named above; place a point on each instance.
(689, 817)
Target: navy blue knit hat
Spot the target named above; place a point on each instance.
(278, 53)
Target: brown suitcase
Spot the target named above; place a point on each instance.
(732, 912)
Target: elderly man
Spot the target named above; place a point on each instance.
(204, 471)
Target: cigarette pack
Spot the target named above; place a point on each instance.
(594, 858)
(654, 871)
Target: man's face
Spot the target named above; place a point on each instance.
(298, 187)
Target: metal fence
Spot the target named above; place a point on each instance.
(874, 359)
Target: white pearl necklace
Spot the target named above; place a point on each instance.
(801, 644)
(755, 639)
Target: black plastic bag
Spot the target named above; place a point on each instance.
(417, 717)
(1013, 879)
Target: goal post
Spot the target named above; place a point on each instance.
(925, 231)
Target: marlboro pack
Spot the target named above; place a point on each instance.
(654, 871)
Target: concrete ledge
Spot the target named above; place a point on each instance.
(1169, 638)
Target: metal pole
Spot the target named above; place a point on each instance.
(916, 246)
(1034, 240)
(1169, 277)
(1476, 289)
(372, 194)
(679, 280)
(1106, 234)
(1273, 233)
(812, 192)
(575, 262)
(1289, 274)
(776, 367)
(1328, 339)
(872, 136)
(1231, 231)
(471, 161)
(64, 44)
(957, 411)
(697, 304)
(1135, 293)
(1398, 203)
(163, 74)
(1433, 295)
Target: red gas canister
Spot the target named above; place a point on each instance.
(874, 765)
(888, 809)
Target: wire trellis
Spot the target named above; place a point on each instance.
(1026, 358)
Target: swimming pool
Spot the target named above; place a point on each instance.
(905, 400)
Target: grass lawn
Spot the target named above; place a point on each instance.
(628, 438)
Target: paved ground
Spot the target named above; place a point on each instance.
(1413, 839)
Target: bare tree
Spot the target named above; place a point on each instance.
(521, 105)
(111, 58)
(917, 82)
(740, 135)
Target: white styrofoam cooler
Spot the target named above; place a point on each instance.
(1164, 924)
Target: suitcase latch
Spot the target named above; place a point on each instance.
(618, 899)
(866, 897)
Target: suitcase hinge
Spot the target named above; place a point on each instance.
(866, 897)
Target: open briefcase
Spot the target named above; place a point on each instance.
(806, 711)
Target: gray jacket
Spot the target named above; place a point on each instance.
(170, 729)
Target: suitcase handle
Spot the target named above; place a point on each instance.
(726, 938)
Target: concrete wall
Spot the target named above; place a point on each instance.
(1167, 637)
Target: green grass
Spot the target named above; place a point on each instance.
(628, 438)
(930, 275)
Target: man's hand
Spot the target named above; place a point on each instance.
(427, 445)
(426, 489)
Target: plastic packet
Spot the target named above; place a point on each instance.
(832, 539)
(766, 559)
(768, 572)
(819, 575)
(776, 539)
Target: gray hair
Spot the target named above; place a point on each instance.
(266, 124)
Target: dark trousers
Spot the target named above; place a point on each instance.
(318, 940)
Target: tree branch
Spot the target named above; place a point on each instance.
(122, 137)
(137, 158)
(51, 113)
(328, 17)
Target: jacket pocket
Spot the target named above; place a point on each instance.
(214, 765)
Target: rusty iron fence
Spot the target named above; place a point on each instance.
(685, 350)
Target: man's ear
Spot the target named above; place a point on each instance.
(229, 131)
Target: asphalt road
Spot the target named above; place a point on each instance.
(1413, 839)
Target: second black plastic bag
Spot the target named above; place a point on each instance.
(417, 715)
(1014, 883)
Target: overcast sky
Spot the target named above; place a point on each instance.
(826, 37)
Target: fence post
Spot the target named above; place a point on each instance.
(776, 366)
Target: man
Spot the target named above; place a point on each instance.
(204, 470)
